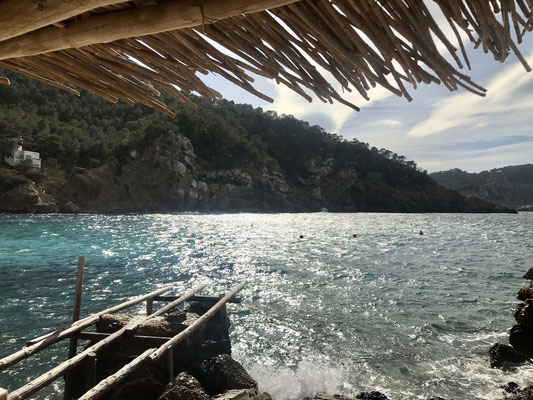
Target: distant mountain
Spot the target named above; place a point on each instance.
(222, 156)
(509, 186)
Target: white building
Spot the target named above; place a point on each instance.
(18, 155)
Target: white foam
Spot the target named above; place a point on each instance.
(307, 379)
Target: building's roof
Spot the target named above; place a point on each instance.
(97, 44)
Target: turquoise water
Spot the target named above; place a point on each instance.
(412, 316)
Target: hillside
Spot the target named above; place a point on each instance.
(220, 157)
(509, 186)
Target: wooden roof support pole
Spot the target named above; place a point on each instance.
(22, 16)
(153, 355)
(45, 341)
(48, 377)
(134, 22)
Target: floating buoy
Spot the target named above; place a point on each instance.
(421, 233)
(301, 236)
(355, 235)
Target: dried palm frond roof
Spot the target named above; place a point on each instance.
(124, 50)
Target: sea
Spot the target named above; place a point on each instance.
(342, 303)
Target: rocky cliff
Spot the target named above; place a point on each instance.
(168, 175)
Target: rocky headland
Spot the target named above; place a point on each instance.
(510, 186)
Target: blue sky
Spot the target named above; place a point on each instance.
(438, 129)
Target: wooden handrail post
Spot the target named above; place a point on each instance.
(149, 306)
(73, 346)
(3, 394)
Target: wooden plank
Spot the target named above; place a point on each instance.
(108, 383)
(154, 355)
(95, 336)
(22, 16)
(4, 81)
(205, 299)
(134, 22)
(43, 342)
(73, 343)
(47, 378)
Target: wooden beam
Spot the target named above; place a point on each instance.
(4, 81)
(97, 336)
(130, 23)
(3, 394)
(43, 342)
(48, 377)
(23, 16)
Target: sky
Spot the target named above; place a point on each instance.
(439, 129)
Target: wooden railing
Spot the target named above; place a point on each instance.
(162, 345)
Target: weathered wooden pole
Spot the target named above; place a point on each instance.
(149, 306)
(3, 394)
(73, 347)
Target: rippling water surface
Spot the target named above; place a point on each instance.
(412, 316)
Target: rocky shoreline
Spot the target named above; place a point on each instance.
(520, 347)
(203, 368)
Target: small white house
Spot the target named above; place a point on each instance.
(18, 155)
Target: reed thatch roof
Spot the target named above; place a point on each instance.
(125, 49)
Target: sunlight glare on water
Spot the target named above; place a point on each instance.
(412, 316)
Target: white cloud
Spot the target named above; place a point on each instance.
(290, 103)
(393, 123)
(505, 93)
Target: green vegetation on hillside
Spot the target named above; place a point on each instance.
(86, 131)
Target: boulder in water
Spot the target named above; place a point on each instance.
(184, 387)
(222, 373)
(503, 355)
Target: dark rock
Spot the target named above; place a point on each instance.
(436, 398)
(45, 208)
(511, 387)
(525, 293)
(184, 387)
(525, 394)
(140, 388)
(69, 208)
(502, 355)
(521, 338)
(222, 373)
(524, 312)
(371, 396)
(21, 199)
(529, 274)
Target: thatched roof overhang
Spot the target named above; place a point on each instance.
(124, 50)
